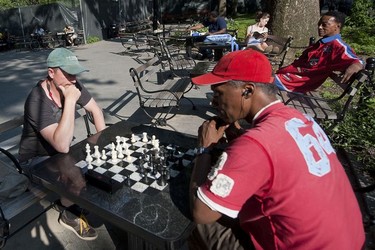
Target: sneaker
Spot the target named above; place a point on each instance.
(78, 225)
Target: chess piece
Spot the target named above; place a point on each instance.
(161, 181)
(156, 144)
(153, 138)
(114, 154)
(89, 166)
(88, 155)
(104, 156)
(144, 139)
(120, 154)
(133, 140)
(96, 152)
(128, 182)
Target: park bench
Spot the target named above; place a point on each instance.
(314, 105)
(9, 132)
(135, 42)
(282, 44)
(178, 62)
(159, 90)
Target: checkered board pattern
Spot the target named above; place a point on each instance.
(111, 175)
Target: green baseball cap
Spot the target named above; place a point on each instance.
(65, 59)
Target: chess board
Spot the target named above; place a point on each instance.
(146, 167)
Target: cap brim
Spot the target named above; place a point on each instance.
(208, 79)
(73, 69)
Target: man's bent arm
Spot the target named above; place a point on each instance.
(350, 71)
(60, 135)
(97, 114)
(201, 213)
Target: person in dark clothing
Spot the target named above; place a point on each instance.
(216, 25)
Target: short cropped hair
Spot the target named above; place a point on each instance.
(269, 89)
(214, 14)
(339, 16)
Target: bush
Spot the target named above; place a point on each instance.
(356, 134)
(93, 39)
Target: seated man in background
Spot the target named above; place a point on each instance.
(321, 59)
(49, 125)
(216, 25)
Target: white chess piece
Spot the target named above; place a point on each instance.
(96, 152)
(114, 155)
(104, 156)
(124, 142)
(153, 138)
(88, 155)
(120, 154)
(133, 140)
(118, 142)
(89, 166)
(144, 139)
(156, 144)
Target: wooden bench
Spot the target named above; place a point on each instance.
(282, 44)
(158, 89)
(202, 68)
(131, 40)
(12, 207)
(312, 104)
(179, 63)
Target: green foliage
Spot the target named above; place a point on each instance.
(361, 39)
(362, 14)
(240, 23)
(360, 27)
(8, 4)
(356, 134)
(93, 39)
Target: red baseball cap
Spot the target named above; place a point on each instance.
(243, 65)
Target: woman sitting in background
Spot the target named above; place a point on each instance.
(257, 33)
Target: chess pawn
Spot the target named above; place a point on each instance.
(104, 156)
(153, 140)
(144, 139)
(133, 140)
(96, 152)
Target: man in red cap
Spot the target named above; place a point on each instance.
(281, 178)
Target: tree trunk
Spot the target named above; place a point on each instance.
(296, 18)
(222, 7)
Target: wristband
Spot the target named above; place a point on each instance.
(202, 150)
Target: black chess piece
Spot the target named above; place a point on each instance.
(161, 181)
(128, 182)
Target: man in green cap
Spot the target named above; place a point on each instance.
(49, 123)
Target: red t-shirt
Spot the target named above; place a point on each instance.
(316, 64)
(283, 180)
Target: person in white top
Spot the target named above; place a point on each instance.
(257, 33)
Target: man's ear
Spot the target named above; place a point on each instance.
(51, 73)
